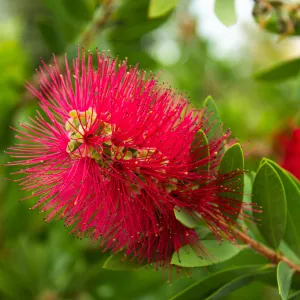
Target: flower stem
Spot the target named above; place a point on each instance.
(273, 256)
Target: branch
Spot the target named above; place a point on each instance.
(268, 253)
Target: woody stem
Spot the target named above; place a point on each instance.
(273, 256)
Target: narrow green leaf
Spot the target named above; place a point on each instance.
(184, 217)
(292, 192)
(120, 262)
(237, 283)
(201, 141)
(295, 179)
(285, 249)
(282, 71)
(248, 182)
(187, 257)
(294, 296)
(247, 198)
(225, 11)
(205, 287)
(284, 279)
(204, 232)
(214, 120)
(233, 160)
(158, 8)
(268, 192)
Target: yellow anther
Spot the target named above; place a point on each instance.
(73, 113)
(71, 146)
(128, 155)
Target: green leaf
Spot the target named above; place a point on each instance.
(292, 192)
(119, 262)
(214, 120)
(233, 160)
(207, 286)
(281, 71)
(268, 192)
(284, 279)
(287, 252)
(184, 217)
(158, 8)
(248, 182)
(295, 179)
(79, 10)
(200, 140)
(187, 257)
(237, 283)
(247, 198)
(50, 35)
(225, 11)
(126, 36)
(294, 296)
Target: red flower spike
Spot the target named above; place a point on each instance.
(115, 152)
(291, 154)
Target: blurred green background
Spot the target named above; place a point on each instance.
(197, 55)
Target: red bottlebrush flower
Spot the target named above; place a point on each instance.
(115, 152)
(282, 137)
(291, 155)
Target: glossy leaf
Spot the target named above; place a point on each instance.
(200, 140)
(280, 72)
(295, 179)
(294, 296)
(214, 120)
(287, 252)
(247, 198)
(233, 160)
(248, 183)
(158, 8)
(292, 192)
(284, 279)
(119, 262)
(237, 283)
(185, 218)
(213, 252)
(268, 192)
(207, 286)
(225, 11)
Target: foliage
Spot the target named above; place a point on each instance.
(42, 261)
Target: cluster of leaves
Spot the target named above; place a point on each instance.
(41, 261)
(278, 195)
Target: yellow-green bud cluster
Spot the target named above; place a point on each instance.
(80, 122)
(77, 124)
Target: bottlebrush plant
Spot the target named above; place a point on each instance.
(132, 165)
